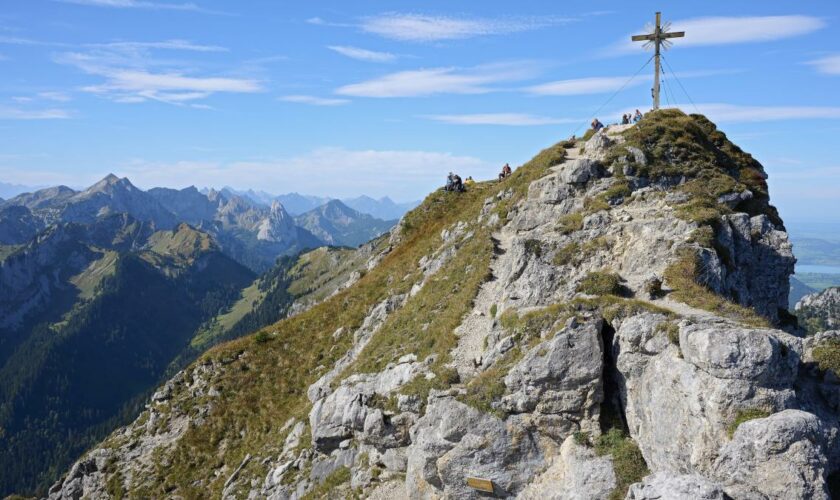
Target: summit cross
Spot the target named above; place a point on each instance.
(658, 38)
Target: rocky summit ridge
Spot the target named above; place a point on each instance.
(606, 323)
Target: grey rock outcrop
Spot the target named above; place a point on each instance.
(756, 264)
(662, 486)
(775, 457)
(679, 401)
(581, 171)
(559, 381)
(453, 441)
(344, 411)
(577, 473)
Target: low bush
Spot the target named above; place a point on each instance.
(570, 223)
(533, 248)
(262, 337)
(827, 356)
(568, 254)
(600, 283)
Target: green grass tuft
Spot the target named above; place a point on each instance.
(570, 223)
(628, 462)
(745, 416)
(827, 356)
(600, 283)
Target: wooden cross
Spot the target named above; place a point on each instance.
(658, 38)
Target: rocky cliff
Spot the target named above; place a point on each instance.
(606, 323)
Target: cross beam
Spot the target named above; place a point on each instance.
(658, 37)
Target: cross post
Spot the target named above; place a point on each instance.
(657, 38)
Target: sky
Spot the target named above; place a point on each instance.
(338, 98)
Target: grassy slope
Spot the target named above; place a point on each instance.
(261, 389)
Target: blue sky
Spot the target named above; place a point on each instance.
(343, 98)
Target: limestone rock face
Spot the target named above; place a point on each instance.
(779, 456)
(679, 401)
(453, 441)
(675, 487)
(559, 380)
(577, 473)
(760, 262)
(335, 417)
(581, 171)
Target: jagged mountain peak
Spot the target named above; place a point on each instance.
(109, 184)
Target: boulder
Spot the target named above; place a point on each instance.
(561, 376)
(453, 441)
(662, 486)
(577, 473)
(779, 456)
(580, 171)
(680, 400)
(341, 413)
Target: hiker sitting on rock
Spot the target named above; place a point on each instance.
(470, 182)
(506, 171)
(454, 183)
(597, 125)
(625, 119)
(637, 116)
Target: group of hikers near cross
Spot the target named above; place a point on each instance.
(659, 39)
(455, 184)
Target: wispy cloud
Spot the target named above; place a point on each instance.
(131, 74)
(16, 40)
(8, 113)
(43, 96)
(175, 44)
(581, 86)
(829, 65)
(136, 4)
(363, 54)
(426, 28)
(55, 96)
(313, 100)
(704, 31)
(507, 119)
(169, 86)
(401, 174)
(720, 112)
(426, 82)
(603, 84)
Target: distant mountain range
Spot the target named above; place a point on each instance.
(107, 290)
(383, 208)
(254, 228)
(337, 224)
